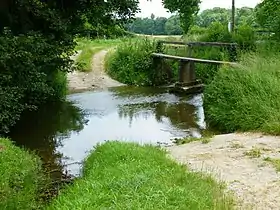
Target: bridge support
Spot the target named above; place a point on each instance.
(186, 72)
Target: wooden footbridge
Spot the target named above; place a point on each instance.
(187, 78)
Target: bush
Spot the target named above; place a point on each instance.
(129, 176)
(246, 98)
(132, 63)
(20, 178)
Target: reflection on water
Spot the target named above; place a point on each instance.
(63, 133)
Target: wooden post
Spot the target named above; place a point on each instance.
(186, 72)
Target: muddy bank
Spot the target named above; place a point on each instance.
(239, 160)
(95, 79)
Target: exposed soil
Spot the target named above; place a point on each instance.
(95, 79)
(254, 181)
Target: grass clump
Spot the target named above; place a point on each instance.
(246, 98)
(254, 153)
(275, 162)
(20, 178)
(129, 176)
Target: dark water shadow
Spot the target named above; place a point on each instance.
(43, 130)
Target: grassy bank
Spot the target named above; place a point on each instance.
(128, 176)
(20, 178)
(89, 47)
(246, 98)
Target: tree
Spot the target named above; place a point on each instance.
(36, 41)
(268, 15)
(208, 16)
(172, 26)
(186, 10)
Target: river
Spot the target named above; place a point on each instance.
(63, 133)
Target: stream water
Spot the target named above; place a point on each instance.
(62, 134)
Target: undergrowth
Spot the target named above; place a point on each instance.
(129, 176)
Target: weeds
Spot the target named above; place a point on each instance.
(236, 145)
(254, 153)
(275, 162)
(129, 176)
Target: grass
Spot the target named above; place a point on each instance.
(236, 145)
(129, 176)
(254, 153)
(275, 162)
(246, 98)
(20, 178)
(132, 63)
(89, 47)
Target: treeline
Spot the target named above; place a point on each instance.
(172, 26)
(156, 26)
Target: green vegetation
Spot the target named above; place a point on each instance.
(275, 162)
(254, 153)
(20, 178)
(132, 63)
(245, 98)
(129, 176)
(156, 26)
(203, 140)
(89, 47)
(36, 42)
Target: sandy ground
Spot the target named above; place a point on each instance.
(96, 79)
(254, 181)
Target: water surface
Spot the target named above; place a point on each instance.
(63, 133)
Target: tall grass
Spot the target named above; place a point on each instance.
(129, 176)
(20, 178)
(246, 98)
(132, 63)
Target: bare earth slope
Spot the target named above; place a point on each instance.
(254, 181)
(97, 78)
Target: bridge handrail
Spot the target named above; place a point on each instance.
(160, 55)
(217, 44)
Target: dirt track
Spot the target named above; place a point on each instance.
(255, 182)
(95, 79)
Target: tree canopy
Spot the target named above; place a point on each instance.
(186, 10)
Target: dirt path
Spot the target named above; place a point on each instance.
(96, 79)
(254, 181)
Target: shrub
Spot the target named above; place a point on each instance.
(246, 98)
(132, 63)
(129, 176)
(20, 178)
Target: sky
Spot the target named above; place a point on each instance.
(155, 7)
